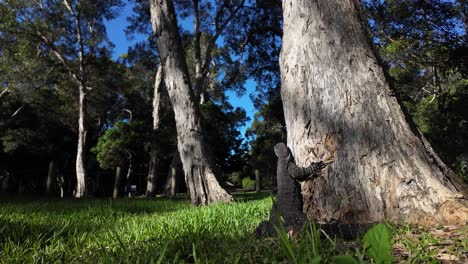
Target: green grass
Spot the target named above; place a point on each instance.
(163, 230)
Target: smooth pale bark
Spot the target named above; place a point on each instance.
(80, 190)
(50, 177)
(202, 184)
(337, 101)
(118, 173)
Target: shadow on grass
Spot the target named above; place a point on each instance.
(251, 196)
(90, 206)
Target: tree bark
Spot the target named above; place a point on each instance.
(129, 173)
(170, 187)
(80, 190)
(198, 168)
(50, 177)
(151, 179)
(258, 180)
(152, 170)
(118, 173)
(337, 101)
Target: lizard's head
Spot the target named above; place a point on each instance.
(281, 150)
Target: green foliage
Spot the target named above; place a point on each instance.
(462, 169)
(378, 243)
(424, 49)
(234, 178)
(221, 124)
(267, 129)
(248, 184)
(120, 143)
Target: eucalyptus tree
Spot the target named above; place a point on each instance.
(72, 35)
(337, 101)
(186, 92)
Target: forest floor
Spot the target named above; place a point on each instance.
(169, 230)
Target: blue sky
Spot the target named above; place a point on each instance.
(115, 31)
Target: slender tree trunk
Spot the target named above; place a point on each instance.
(81, 151)
(151, 179)
(173, 181)
(153, 164)
(258, 180)
(198, 167)
(50, 177)
(129, 173)
(337, 101)
(118, 173)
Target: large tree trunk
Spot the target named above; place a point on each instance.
(337, 101)
(198, 167)
(81, 152)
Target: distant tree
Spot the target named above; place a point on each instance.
(120, 146)
(199, 172)
(267, 129)
(72, 34)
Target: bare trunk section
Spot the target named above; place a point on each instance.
(151, 179)
(152, 170)
(129, 173)
(50, 177)
(199, 173)
(118, 173)
(258, 180)
(337, 101)
(171, 185)
(198, 90)
(80, 190)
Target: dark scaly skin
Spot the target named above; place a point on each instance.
(287, 209)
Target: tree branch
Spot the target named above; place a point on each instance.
(220, 26)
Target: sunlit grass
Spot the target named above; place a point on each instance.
(170, 230)
(124, 229)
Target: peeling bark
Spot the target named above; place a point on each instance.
(198, 168)
(337, 101)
